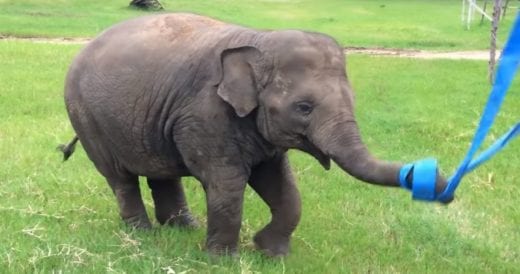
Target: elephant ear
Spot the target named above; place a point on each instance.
(240, 75)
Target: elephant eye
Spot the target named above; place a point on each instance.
(304, 107)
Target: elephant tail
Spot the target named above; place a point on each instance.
(68, 149)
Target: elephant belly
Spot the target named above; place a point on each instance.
(157, 169)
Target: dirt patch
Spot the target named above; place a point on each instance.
(58, 40)
(404, 53)
(423, 54)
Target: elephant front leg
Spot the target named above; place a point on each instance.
(274, 182)
(224, 205)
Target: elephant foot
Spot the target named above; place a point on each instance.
(221, 244)
(272, 244)
(140, 221)
(182, 220)
(219, 250)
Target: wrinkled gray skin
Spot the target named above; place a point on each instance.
(175, 95)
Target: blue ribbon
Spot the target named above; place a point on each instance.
(425, 178)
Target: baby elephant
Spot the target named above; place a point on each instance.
(174, 95)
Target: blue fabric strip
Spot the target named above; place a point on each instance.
(494, 148)
(425, 171)
(403, 173)
(505, 73)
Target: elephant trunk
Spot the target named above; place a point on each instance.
(342, 143)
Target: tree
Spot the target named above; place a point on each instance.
(147, 4)
(493, 41)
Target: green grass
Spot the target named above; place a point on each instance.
(368, 23)
(59, 216)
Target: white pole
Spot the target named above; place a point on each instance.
(470, 13)
(479, 9)
(462, 17)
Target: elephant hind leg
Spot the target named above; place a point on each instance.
(170, 203)
(123, 183)
(128, 194)
(275, 184)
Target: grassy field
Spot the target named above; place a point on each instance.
(62, 216)
(366, 23)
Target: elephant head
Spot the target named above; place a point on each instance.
(296, 84)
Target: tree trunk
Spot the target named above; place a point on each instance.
(493, 45)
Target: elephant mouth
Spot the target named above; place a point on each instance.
(309, 147)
